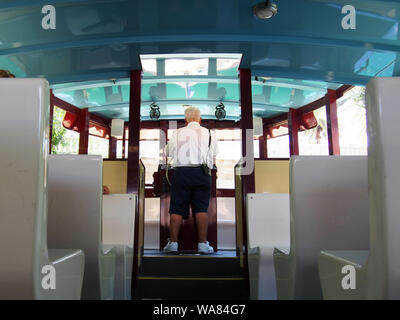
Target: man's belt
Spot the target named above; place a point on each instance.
(195, 166)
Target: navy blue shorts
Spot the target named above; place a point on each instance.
(189, 186)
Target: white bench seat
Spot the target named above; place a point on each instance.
(268, 226)
(378, 276)
(328, 210)
(23, 199)
(75, 219)
(118, 232)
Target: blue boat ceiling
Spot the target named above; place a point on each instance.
(190, 51)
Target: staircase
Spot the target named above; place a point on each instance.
(191, 276)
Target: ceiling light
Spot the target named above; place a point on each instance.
(117, 128)
(265, 10)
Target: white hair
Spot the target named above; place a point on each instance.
(192, 114)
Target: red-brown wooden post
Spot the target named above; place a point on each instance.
(293, 123)
(134, 131)
(84, 131)
(246, 102)
(112, 148)
(332, 123)
(124, 142)
(133, 163)
(262, 144)
(51, 117)
(248, 180)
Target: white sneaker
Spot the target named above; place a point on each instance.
(171, 247)
(204, 247)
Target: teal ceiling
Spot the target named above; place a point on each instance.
(301, 51)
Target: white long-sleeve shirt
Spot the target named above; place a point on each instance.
(188, 146)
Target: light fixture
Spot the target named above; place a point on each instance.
(220, 112)
(154, 111)
(265, 10)
(257, 126)
(117, 128)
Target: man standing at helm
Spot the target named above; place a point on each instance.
(191, 147)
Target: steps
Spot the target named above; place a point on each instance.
(191, 276)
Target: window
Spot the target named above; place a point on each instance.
(98, 146)
(315, 141)
(149, 153)
(229, 153)
(63, 141)
(353, 123)
(278, 147)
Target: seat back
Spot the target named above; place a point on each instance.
(328, 210)
(268, 220)
(75, 212)
(268, 226)
(23, 193)
(119, 219)
(383, 97)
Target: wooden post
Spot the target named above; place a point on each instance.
(133, 179)
(246, 123)
(332, 123)
(51, 117)
(263, 145)
(134, 131)
(112, 148)
(293, 124)
(84, 131)
(123, 142)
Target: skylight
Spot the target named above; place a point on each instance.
(190, 64)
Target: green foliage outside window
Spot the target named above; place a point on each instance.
(58, 138)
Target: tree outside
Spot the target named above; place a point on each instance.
(58, 137)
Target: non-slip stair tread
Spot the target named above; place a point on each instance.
(189, 289)
(191, 276)
(190, 268)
